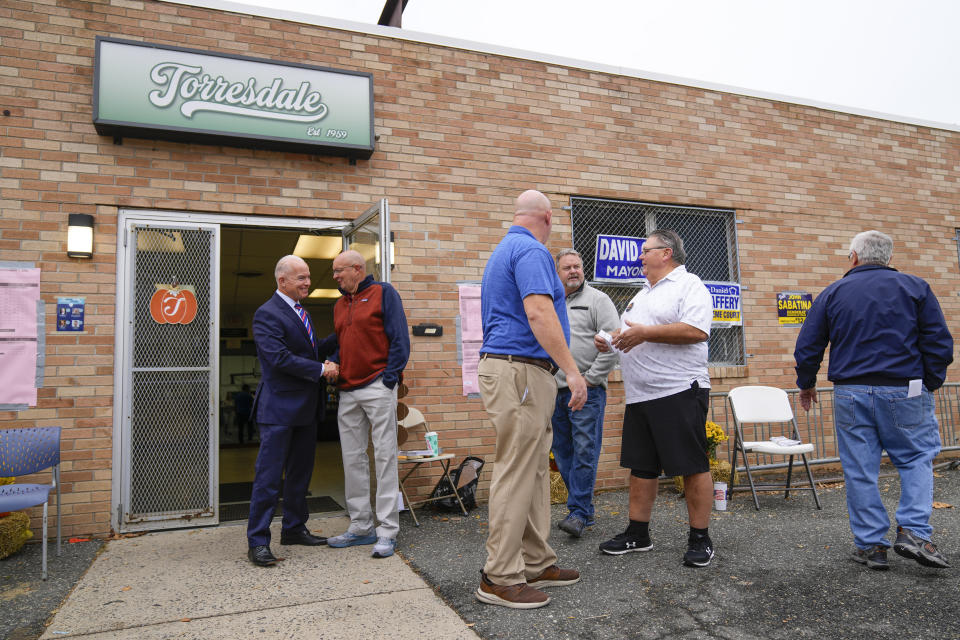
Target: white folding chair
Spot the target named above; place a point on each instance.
(766, 405)
(414, 418)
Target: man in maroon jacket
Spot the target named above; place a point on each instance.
(371, 328)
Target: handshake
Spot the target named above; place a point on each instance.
(331, 371)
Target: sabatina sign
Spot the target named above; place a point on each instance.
(144, 90)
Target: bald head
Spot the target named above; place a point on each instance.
(532, 203)
(349, 257)
(349, 269)
(534, 214)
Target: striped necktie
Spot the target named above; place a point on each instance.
(305, 319)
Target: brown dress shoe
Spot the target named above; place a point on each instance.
(555, 577)
(514, 596)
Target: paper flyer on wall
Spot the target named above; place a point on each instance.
(16, 357)
(19, 292)
(19, 298)
(471, 336)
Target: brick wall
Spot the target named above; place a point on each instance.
(460, 135)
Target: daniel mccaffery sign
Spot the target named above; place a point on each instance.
(148, 91)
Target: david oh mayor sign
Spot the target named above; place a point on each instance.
(144, 90)
(617, 259)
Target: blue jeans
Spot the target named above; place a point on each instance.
(869, 419)
(577, 438)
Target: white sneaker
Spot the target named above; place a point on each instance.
(384, 547)
(350, 539)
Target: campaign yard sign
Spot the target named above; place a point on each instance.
(726, 303)
(792, 307)
(617, 259)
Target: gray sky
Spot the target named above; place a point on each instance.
(899, 57)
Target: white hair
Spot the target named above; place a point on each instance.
(284, 264)
(872, 247)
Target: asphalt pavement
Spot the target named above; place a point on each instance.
(782, 572)
(27, 601)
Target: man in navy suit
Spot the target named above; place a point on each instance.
(286, 408)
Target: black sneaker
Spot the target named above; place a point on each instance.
(874, 557)
(625, 543)
(916, 548)
(699, 551)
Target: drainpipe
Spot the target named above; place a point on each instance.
(392, 13)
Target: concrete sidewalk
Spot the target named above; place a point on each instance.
(198, 584)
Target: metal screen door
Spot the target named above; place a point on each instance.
(365, 235)
(169, 413)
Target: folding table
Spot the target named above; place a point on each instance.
(444, 461)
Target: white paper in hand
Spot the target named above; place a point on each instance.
(606, 337)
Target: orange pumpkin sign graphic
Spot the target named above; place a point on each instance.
(173, 305)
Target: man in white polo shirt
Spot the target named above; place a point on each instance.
(663, 339)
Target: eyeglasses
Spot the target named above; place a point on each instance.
(647, 250)
(340, 270)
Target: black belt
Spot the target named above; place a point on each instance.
(543, 364)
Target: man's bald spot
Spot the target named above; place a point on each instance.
(532, 203)
(350, 257)
(286, 263)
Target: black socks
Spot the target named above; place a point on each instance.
(642, 530)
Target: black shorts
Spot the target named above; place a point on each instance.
(667, 434)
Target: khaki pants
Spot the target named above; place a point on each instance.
(519, 398)
(370, 413)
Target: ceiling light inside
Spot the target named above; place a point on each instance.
(324, 293)
(318, 247)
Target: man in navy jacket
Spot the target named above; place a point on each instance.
(374, 343)
(286, 407)
(889, 350)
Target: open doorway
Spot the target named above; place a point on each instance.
(177, 374)
(248, 256)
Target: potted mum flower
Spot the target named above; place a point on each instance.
(720, 470)
(715, 436)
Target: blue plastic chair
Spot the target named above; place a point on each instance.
(26, 451)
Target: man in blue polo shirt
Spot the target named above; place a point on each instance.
(525, 338)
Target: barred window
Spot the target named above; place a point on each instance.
(709, 238)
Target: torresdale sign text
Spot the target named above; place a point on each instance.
(149, 91)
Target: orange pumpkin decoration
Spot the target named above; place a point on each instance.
(173, 306)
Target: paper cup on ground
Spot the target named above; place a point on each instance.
(720, 496)
(432, 443)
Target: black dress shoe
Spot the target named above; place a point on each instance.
(261, 556)
(304, 537)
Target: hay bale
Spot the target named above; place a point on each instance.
(14, 532)
(720, 471)
(558, 490)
